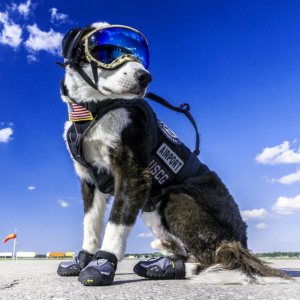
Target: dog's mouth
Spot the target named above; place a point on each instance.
(134, 91)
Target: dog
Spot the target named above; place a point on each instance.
(197, 221)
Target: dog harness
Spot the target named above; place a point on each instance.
(171, 162)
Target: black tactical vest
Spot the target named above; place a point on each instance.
(171, 162)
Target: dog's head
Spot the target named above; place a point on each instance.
(129, 80)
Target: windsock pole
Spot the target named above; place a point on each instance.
(14, 245)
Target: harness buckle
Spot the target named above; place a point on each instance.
(78, 51)
(181, 106)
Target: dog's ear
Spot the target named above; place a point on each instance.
(71, 42)
(68, 39)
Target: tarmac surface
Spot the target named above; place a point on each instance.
(37, 279)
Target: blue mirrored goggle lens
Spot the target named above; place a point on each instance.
(105, 45)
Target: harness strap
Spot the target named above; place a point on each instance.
(179, 109)
(179, 268)
(107, 255)
(93, 107)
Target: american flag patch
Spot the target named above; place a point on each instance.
(78, 113)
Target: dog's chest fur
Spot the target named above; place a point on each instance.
(103, 136)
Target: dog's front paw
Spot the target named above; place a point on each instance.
(73, 268)
(100, 271)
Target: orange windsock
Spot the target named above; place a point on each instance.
(11, 236)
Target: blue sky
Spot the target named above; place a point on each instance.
(236, 62)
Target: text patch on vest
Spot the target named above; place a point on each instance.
(170, 158)
(160, 174)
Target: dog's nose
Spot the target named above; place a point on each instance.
(143, 77)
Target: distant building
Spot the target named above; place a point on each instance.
(70, 254)
(26, 254)
(56, 255)
(5, 254)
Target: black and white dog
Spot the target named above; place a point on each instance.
(196, 222)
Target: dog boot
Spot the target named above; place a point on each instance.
(100, 271)
(73, 267)
(160, 268)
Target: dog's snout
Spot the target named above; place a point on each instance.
(143, 77)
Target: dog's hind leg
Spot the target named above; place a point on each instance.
(94, 213)
(197, 230)
(170, 245)
(166, 243)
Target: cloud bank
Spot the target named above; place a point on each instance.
(144, 235)
(58, 18)
(23, 8)
(254, 214)
(281, 154)
(287, 206)
(40, 40)
(261, 226)
(5, 135)
(63, 203)
(11, 32)
(288, 179)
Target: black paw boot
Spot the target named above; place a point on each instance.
(73, 267)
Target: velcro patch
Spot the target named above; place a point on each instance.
(168, 133)
(170, 158)
(78, 113)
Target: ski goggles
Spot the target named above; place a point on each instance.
(113, 45)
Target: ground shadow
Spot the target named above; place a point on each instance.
(128, 281)
(124, 274)
(291, 272)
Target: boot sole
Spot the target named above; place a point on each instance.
(143, 273)
(68, 273)
(91, 282)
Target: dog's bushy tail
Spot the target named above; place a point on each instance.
(234, 264)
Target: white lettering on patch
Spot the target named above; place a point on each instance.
(170, 158)
(156, 170)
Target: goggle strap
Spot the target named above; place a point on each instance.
(60, 64)
(95, 73)
(86, 78)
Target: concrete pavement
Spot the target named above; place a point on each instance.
(37, 279)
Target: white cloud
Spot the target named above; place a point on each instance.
(288, 179)
(5, 135)
(23, 8)
(31, 188)
(144, 235)
(31, 58)
(254, 214)
(63, 203)
(58, 18)
(280, 154)
(11, 32)
(261, 226)
(41, 40)
(287, 206)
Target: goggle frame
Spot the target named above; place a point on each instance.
(118, 61)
